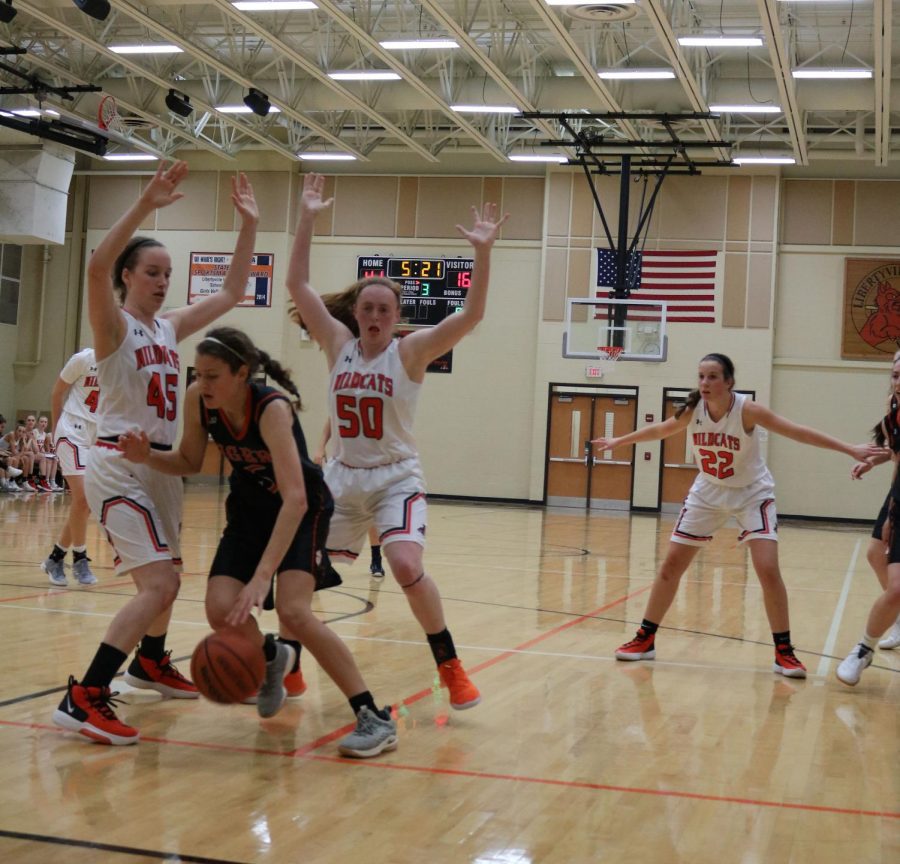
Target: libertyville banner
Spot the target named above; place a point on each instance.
(871, 310)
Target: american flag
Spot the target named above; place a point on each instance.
(684, 280)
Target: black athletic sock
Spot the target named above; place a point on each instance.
(80, 554)
(297, 649)
(58, 553)
(441, 645)
(270, 648)
(649, 627)
(782, 638)
(376, 556)
(363, 699)
(153, 647)
(104, 666)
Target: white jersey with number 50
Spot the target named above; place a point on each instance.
(372, 407)
(725, 454)
(139, 382)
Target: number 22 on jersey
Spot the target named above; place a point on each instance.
(717, 463)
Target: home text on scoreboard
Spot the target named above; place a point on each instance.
(433, 288)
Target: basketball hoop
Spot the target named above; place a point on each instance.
(610, 352)
(108, 115)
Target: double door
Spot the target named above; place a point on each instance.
(576, 476)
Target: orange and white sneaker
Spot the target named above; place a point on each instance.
(463, 693)
(161, 676)
(786, 662)
(294, 684)
(642, 647)
(88, 711)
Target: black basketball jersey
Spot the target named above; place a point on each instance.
(245, 449)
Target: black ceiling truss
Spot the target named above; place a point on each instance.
(58, 130)
(601, 152)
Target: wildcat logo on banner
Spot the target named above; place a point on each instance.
(871, 313)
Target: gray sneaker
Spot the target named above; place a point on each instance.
(851, 667)
(81, 570)
(372, 736)
(56, 571)
(272, 693)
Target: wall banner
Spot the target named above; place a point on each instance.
(207, 273)
(871, 310)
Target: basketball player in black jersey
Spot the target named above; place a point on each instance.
(277, 516)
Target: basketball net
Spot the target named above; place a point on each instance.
(108, 115)
(610, 352)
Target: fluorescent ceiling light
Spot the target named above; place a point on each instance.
(721, 41)
(746, 109)
(145, 49)
(326, 157)
(485, 109)
(242, 109)
(273, 5)
(764, 160)
(34, 112)
(538, 157)
(629, 73)
(418, 44)
(589, 2)
(365, 75)
(823, 72)
(130, 157)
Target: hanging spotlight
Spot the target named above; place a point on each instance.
(7, 12)
(98, 9)
(257, 102)
(179, 103)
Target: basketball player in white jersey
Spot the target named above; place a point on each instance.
(73, 407)
(733, 481)
(138, 366)
(375, 475)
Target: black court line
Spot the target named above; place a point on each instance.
(172, 857)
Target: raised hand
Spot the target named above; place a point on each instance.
(243, 198)
(161, 191)
(485, 228)
(311, 200)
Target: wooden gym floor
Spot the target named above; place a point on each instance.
(701, 756)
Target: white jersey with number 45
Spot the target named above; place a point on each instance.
(724, 452)
(373, 404)
(139, 382)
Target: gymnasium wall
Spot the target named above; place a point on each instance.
(482, 429)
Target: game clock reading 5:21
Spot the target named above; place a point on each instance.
(433, 288)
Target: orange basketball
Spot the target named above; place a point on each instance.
(227, 667)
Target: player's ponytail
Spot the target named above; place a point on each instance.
(280, 376)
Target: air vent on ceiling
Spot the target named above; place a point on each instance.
(601, 13)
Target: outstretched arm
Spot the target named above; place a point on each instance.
(653, 432)
(190, 319)
(107, 321)
(418, 349)
(756, 414)
(330, 333)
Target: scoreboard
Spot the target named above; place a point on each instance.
(433, 288)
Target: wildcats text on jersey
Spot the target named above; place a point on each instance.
(716, 439)
(364, 381)
(156, 355)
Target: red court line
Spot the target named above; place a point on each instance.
(580, 619)
(491, 775)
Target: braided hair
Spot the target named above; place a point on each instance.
(340, 304)
(127, 260)
(235, 348)
(694, 396)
